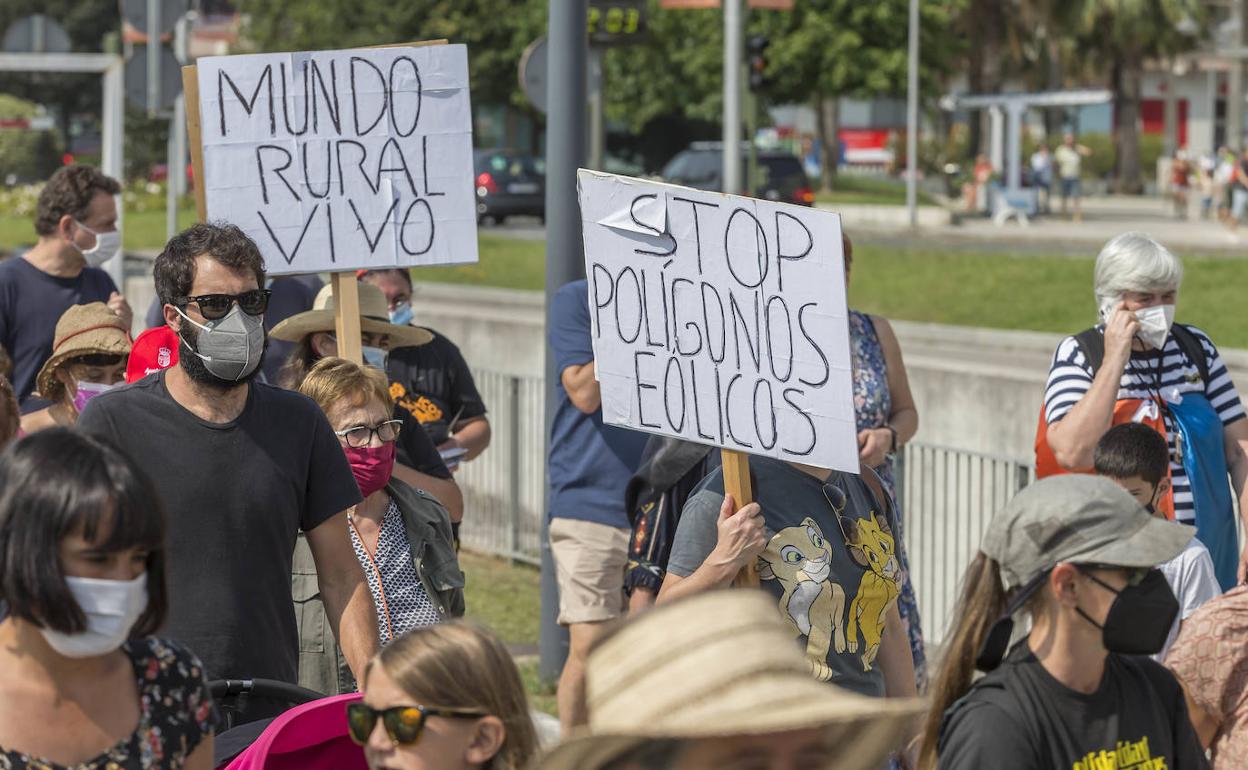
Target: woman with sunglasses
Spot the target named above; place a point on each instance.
(89, 354)
(401, 536)
(446, 697)
(1078, 555)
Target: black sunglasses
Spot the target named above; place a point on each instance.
(403, 723)
(216, 306)
(96, 359)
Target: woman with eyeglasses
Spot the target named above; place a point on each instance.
(1078, 556)
(445, 697)
(401, 535)
(89, 354)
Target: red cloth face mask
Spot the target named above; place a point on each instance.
(372, 466)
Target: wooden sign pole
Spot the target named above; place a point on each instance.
(347, 316)
(737, 483)
(190, 92)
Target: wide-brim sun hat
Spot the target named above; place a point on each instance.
(374, 319)
(83, 330)
(1079, 519)
(720, 664)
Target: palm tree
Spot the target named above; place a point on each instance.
(1122, 35)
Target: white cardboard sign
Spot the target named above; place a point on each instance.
(340, 160)
(720, 319)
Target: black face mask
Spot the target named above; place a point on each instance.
(1140, 618)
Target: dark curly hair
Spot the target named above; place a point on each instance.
(226, 244)
(69, 191)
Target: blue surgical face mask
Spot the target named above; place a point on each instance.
(374, 357)
(401, 314)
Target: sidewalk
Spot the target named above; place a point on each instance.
(1103, 218)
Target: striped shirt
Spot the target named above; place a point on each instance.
(1148, 375)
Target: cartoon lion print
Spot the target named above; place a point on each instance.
(800, 559)
(871, 546)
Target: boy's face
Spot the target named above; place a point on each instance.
(1144, 493)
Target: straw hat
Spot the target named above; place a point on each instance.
(83, 330)
(374, 318)
(720, 664)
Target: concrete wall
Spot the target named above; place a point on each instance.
(976, 389)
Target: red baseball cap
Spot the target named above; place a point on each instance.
(153, 350)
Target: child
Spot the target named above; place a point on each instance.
(1136, 458)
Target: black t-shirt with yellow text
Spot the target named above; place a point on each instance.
(432, 383)
(1020, 717)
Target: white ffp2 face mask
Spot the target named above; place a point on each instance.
(107, 245)
(1155, 323)
(111, 608)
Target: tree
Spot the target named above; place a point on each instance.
(1122, 35)
(823, 50)
(495, 31)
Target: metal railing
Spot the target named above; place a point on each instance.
(947, 496)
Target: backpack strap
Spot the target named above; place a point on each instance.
(1092, 343)
(1191, 347)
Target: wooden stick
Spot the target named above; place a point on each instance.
(737, 483)
(347, 316)
(194, 139)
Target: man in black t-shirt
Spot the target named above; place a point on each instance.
(76, 220)
(432, 382)
(241, 468)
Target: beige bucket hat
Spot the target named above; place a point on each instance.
(374, 318)
(82, 330)
(720, 664)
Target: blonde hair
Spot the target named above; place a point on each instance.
(459, 665)
(335, 380)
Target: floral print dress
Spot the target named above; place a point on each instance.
(872, 405)
(176, 715)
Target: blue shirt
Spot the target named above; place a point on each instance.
(589, 463)
(31, 302)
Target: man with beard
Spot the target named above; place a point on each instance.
(240, 467)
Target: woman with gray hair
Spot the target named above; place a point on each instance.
(1137, 365)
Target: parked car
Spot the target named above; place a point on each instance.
(780, 174)
(509, 183)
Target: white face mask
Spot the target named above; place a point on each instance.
(111, 608)
(1155, 325)
(107, 245)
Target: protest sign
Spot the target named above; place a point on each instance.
(720, 319)
(339, 160)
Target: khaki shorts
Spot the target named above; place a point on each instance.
(590, 560)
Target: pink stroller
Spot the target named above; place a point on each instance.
(310, 736)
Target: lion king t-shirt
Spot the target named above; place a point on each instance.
(831, 563)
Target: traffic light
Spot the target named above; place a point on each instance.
(756, 49)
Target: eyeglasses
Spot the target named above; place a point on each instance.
(362, 435)
(403, 724)
(96, 360)
(216, 306)
(1135, 575)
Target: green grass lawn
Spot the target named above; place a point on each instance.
(1039, 292)
(853, 190)
(506, 597)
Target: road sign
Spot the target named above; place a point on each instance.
(533, 74)
(137, 79)
(134, 12)
(36, 34)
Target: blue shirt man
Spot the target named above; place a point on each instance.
(589, 467)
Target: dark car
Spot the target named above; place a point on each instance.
(780, 176)
(509, 183)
